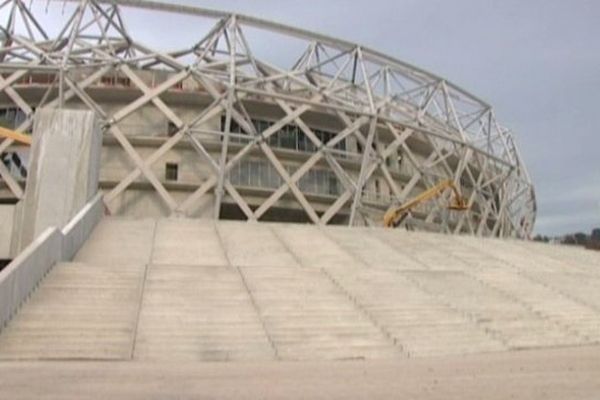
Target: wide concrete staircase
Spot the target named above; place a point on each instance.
(194, 290)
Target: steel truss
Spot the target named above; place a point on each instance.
(366, 90)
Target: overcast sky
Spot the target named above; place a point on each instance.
(536, 61)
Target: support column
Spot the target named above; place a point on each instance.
(64, 169)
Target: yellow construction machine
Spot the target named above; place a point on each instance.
(16, 136)
(397, 213)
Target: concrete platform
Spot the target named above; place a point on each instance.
(194, 290)
(549, 374)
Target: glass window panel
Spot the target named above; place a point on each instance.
(287, 139)
(244, 173)
(265, 181)
(333, 189)
(326, 137)
(310, 146)
(314, 182)
(273, 139)
(341, 145)
(323, 182)
(234, 175)
(253, 173)
(294, 131)
(271, 177)
(171, 171)
(301, 141)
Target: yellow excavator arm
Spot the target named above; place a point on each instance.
(16, 136)
(396, 214)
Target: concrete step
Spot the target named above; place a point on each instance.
(79, 311)
(324, 322)
(262, 248)
(193, 290)
(198, 313)
(120, 241)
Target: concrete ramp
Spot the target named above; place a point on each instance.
(194, 290)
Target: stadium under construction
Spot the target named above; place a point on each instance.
(318, 217)
(327, 132)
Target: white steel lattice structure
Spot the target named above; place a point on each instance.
(334, 136)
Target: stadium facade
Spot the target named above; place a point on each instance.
(253, 120)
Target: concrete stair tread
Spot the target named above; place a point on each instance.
(190, 290)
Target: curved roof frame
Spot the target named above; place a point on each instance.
(348, 80)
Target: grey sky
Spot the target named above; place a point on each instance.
(536, 61)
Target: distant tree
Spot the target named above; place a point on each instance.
(593, 246)
(595, 237)
(581, 238)
(569, 239)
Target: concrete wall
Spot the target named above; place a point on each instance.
(7, 214)
(22, 275)
(76, 232)
(146, 203)
(15, 245)
(63, 171)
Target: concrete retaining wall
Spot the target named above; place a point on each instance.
(76, 232)
(22, 275)
(7, 215)
(63, 170)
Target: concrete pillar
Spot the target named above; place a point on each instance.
(63, 172)
(15, 245)
(7, 212)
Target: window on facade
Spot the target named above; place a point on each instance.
(333, 185)
(310, 146)
(234, 127)
(171, 129)
(324, 137)
(254, 173)
(288, 137)
(244, 173)
(274, 139)
(359, 147)
(302, 141)
(113, 80)
(171, 171)
(123, 81)
(342, 145)
(42, 79)
(262, 174)
(260, 125)
(11, 117)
